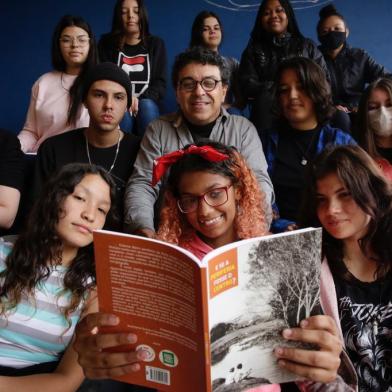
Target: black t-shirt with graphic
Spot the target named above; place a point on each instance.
(365, 311)
(135, 61)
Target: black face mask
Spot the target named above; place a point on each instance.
(333, 39)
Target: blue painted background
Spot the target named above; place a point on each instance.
(26, 28)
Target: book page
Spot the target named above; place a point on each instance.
(155, 290)
(257, 288)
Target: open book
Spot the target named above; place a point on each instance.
(209, 325)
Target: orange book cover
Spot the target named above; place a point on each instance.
(210, 325)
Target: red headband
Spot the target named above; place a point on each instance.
(164, 162)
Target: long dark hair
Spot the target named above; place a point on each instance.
(314, 83)
(57, 58)
(60, 65)
(117, 32)
(39, 248)
(198, 26)
(362, 131)
(370, 191)
(259, 35)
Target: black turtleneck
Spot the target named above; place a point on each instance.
(200, 131)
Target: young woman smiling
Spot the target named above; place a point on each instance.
(275, 37)
(303, 106)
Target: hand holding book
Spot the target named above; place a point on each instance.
(317, 365)
(90, 344)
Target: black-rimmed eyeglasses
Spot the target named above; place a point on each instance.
(207, 84)
(214, 198)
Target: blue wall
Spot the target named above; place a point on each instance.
(26, 28)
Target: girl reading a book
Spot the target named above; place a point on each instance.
(47, 281)
(350, 198)
(212, 199)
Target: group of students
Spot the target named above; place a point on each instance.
(215, 183)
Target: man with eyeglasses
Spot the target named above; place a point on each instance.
(200, 80)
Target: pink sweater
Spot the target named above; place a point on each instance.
(48, 110)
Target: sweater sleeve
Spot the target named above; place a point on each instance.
(28, 136)
(140, 196)
(157, 86)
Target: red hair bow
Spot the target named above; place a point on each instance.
(164, 162)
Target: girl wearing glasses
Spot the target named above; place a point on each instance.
(73, 51)
(142, 56)
(374, 127)
(212, 199)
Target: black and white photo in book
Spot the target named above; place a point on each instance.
(278, 286)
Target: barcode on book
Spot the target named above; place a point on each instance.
(158, 375)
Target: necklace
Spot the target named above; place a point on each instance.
(62, 82)
(305, 153)
(115, 156)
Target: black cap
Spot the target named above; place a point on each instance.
(107, 71)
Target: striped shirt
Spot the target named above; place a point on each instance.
(35, 331)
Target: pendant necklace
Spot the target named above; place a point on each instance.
(305, 153)
(115, 156)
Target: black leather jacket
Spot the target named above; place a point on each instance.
(350, 71)
(259, 62)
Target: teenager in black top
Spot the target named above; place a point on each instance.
(352, 201)
(141, 55)
(275, 37)
(11, 178)
(350, 68)
(304, 108)
(106, 94)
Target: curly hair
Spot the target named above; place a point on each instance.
(199, 55)
(198, 28)
(250, 218)
(39, 247)
(370, 191)
(362, 131)
(313, 81)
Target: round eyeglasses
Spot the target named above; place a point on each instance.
(207, 84)
(69, 41)
(214, 198)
